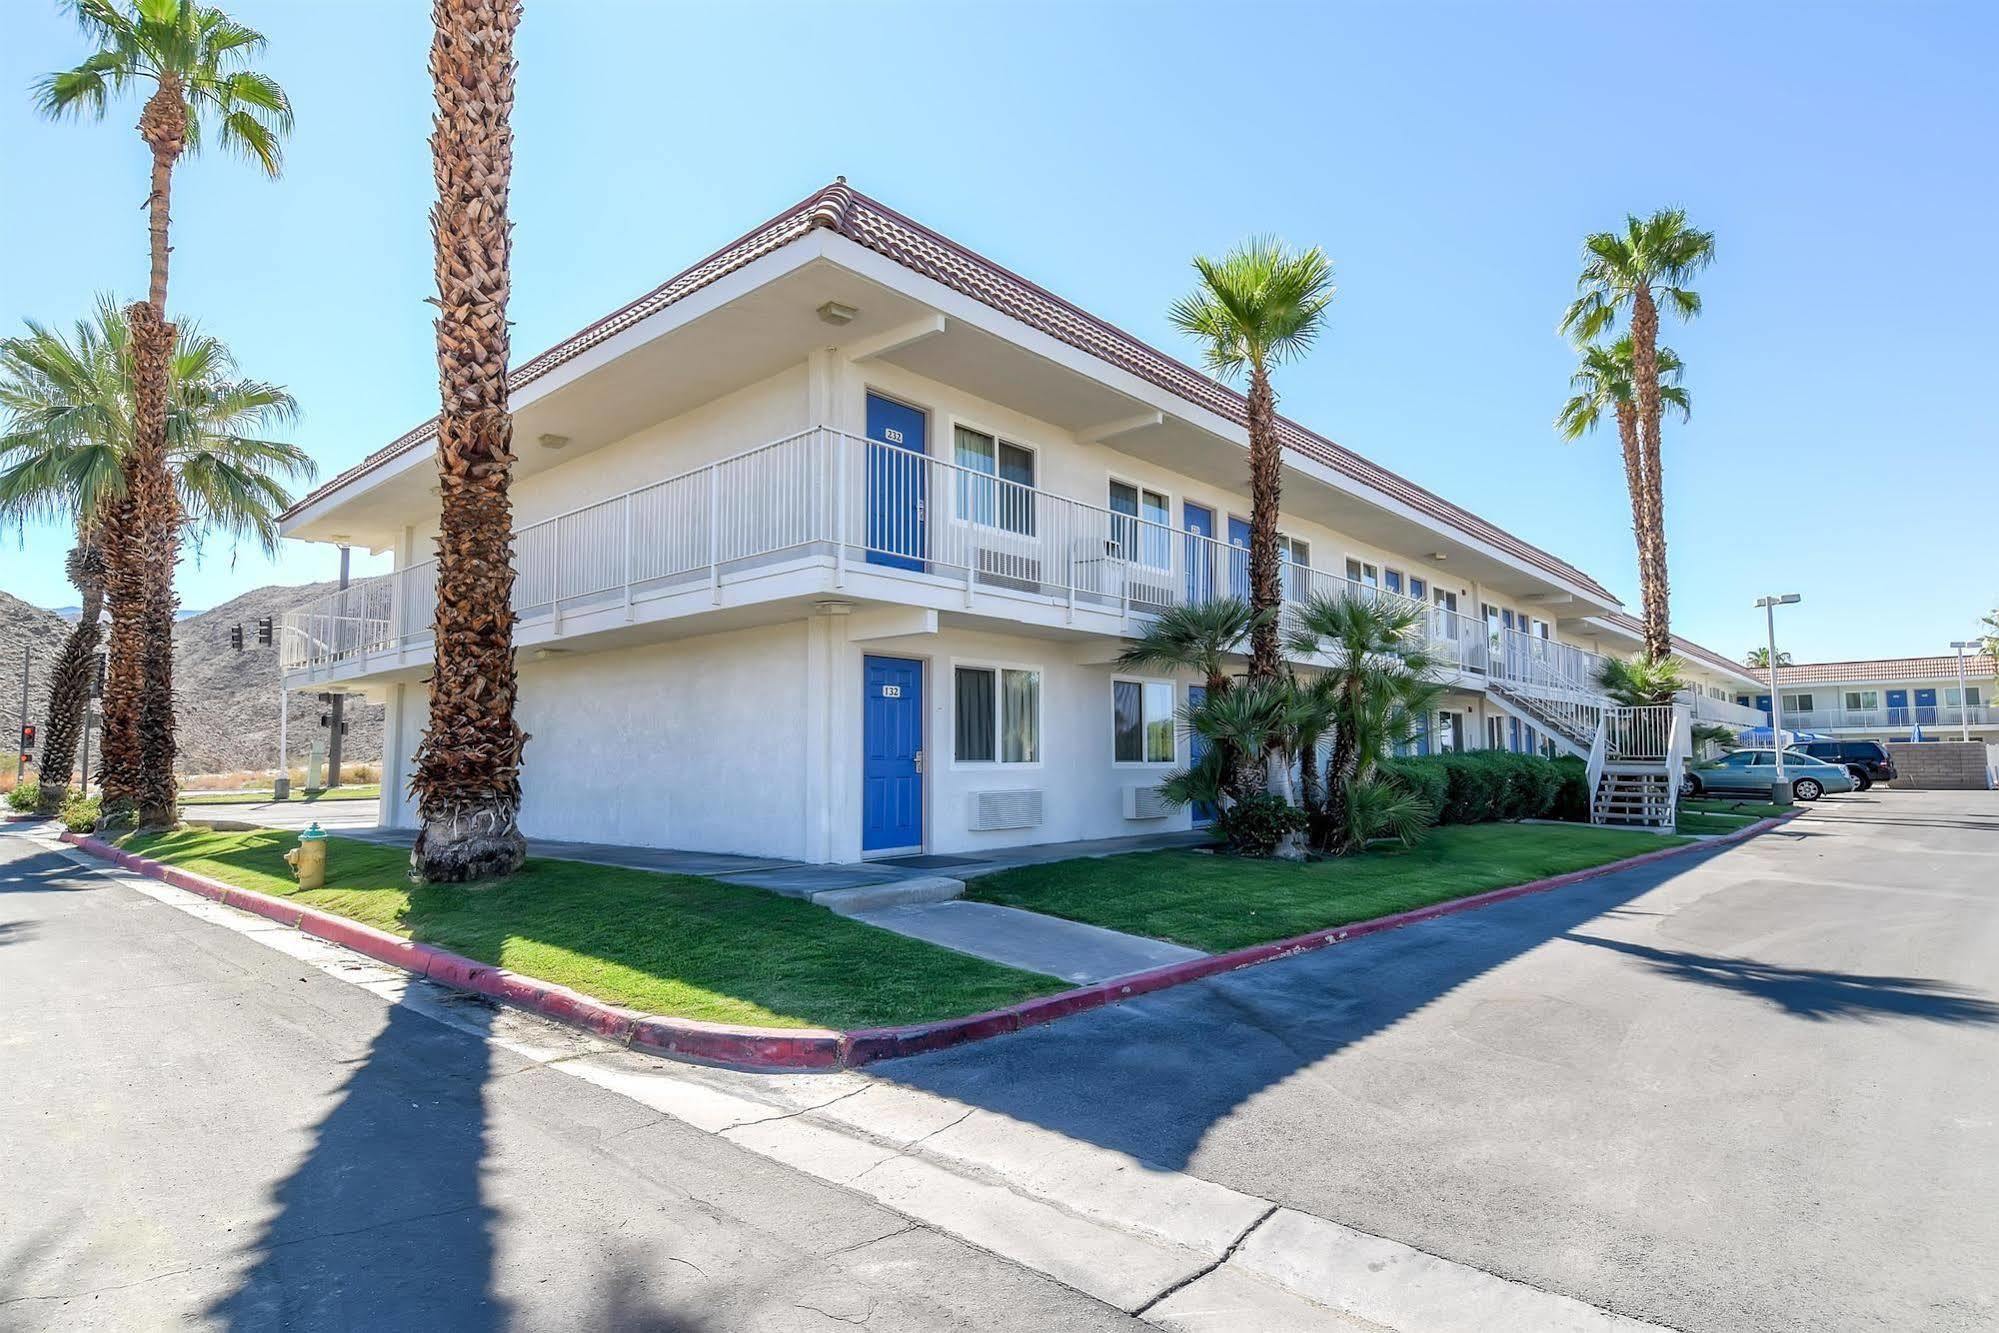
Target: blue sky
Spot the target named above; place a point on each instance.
(1448, 157)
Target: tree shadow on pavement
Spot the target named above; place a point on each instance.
(1150, 1077)
(1811, 993)
(383, 1223)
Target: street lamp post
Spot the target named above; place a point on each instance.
(1963, 704)
(1780, 791)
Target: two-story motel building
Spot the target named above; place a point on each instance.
(828, 546)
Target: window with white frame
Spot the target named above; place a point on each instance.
(1142, 721)
(1970, 695)
(996, 487)
(1392, 580)
(1417, 588)
(997, 715)
(1359, 571)
(1862, 701)
(1297, 558)
(1798, 703)
(1140, 521)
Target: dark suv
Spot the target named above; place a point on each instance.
(1868, 761)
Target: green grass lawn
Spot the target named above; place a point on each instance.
(1219, 903)
(1710, 821)
(1722, 805)
(666, 944)
(357, 791)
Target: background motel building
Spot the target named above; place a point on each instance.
(1887, 699)
(828, 546)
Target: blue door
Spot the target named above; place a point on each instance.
(892, 755)
(1197, 746)
(1898, 708)
(1763, 707)
(1199, 523)
(1926, 708)
(897, 484)
(1239, 564)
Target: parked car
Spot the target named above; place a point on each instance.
(1867, 761)
(1754, 772)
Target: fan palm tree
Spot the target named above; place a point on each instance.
(467, 778)
(69, 404)
(1634, 271)
(1642, 680)
(194, 58)
(1379, 678)
(1759, 658)
(1602, 382)
(1257, 307)
(1200, 637)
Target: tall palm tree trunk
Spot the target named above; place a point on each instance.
(1266, 484)
(1636, 484)
(467, 779)
(125, 668)
(1653, 583)
(69, 679)
(138, 696)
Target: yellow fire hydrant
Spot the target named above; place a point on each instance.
(308, 859)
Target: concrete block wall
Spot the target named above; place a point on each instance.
(1939, 765)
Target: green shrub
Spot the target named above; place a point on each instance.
(1255, 825)
(1572, 794)
(27, 794)
(1481, 786)
(79, 813)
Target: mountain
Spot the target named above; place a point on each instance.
(40, 632)
(226, 702)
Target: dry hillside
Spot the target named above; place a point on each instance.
(227, 702)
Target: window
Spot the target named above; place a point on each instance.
(998, 715)
(1798, 703)
(1142, 721)
(1417, 588)
(1391, 579)
(1362, 573)
(1298, 567)
(1862, 700)
(1001, 494)
(1970, 695)
(1740, 759)
(1139, 528)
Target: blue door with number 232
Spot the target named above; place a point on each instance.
(892, 755)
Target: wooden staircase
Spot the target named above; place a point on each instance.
(1638, 794)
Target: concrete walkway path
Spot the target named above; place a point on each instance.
(1046, 944)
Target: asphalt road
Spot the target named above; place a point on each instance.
(1757, 1091)
(198, 1131)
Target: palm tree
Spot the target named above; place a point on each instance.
(70, 402)
(467, 779)
(1641, 681)
(1257, 307)
(1649, 263)
(1379, 678)
(1759, 658)
(1201, 637)
(1603, 382)
(194, 58)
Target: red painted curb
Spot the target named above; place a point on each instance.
(818, 1049)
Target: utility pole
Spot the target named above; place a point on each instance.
(21, 755)
(339, 699)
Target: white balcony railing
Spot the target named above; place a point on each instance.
(866, 504)
(1931, 717)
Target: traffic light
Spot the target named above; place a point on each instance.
(236, 637)
(28, 736)
(264, 632)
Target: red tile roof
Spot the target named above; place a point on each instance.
(1686, 648)
(1887, 668)
(848, 212)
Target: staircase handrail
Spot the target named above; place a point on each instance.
(1594, 771)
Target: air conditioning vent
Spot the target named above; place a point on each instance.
(1006, 809)
(1145, 803)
